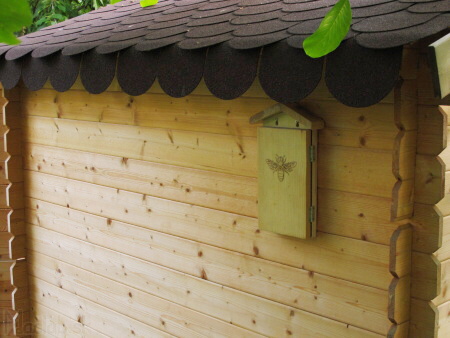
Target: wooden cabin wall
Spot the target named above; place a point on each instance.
(142, 219)
(430, 310)
(14, 298)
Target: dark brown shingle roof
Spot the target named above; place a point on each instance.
(229, 43)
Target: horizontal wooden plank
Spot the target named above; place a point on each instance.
(446, 110)
(4, 194)
(444, 320)
(4, 220)
(192, 113)
(404, 155)
(432, 130)
(15, 196)
(15, 169)
(424, 319)
(328, 254)
(445, 155)
(360, 305)
(429, 180)
(14, 142)
(20, 274)
(4, 172)
(225, 192)
(5, 245)
(18, 247)
(338, 170)
(211, 152)
(55, 324)
(426, 276)
(131, 302)
(399, 330)
(405, 105)
(16, 222)
(89, 313)
(239, 308)
(447, 181)
(444, 279)
(351, 215)
(24, 324)
(443, 253)
(357, 216)
(206, 151)
(371, 127)
(400, 296)
(6, 271)
(7, 314)
(444, 205)
(427, 224)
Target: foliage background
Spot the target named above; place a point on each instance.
(49, 12)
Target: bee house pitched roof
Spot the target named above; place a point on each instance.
(228, 43)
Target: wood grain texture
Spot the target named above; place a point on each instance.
(444, 280)
(50, 323)
(234, 307)
(232, 193)
(347, 214)
(443, 253)
(430, 179)
(12, 235)
(94, 152)
(131, 302)
(221, 153)
(426, 276)
(284, 194)
(361, 306)
(444, 320)
(370, 127)
(424, 319)
(428, 228)
(89, 313)
(432, 130)
(205, 225)
(338, 170)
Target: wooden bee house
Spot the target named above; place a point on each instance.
(287, 146)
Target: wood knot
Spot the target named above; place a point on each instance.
(204, 276)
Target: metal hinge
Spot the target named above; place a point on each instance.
(312, 214)
(312, 153)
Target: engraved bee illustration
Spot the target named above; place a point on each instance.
(280, 166)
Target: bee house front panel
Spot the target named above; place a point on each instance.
(285, 186)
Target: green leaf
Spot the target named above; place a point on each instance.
(146, 3)
(332, 30)
(114, 1)
(14, 15)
